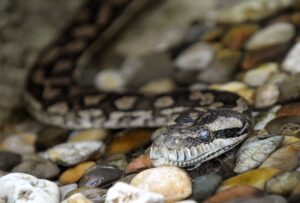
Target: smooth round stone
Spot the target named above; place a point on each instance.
(284, 125)
(122, 191)
(8, 160)
(96, 195)
(253, 10)
(255, 150)
(21, 188)
(284, 183)
(68, 154)
(64, 190)
(264, 117)
(238, 35)
(118, 160)
(77, 198)
(255, 178)
(266, 95)
(127, 141)
(210, 181)
(289, 110)
(100, 176)
(264, 199)
(289, 88)
(141, 162)
(72, 175)
(19, 143)
(291, 62)
(237, 192)
(260, 75)
(196, 57)
(49, 137)
(39, 168)
(88, 135)
(284, 159)
(274, 34)
(172, 182)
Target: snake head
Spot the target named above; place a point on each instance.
(207, 138)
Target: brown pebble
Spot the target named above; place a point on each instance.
(141, 162)
(289, 110)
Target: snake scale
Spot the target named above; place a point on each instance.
(200, 125)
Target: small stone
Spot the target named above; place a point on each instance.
(20, 143)
(290, 140)
(237, 36)
(117, 160)
(264, 117)
(99, 176)
(77, 198)
(291, 62)
(211, 182)
(284, 125)
(8, 160)
(284, 183)
(39, 168)
(49, 137)
(255, 178)
(237, 192)
(260, 75)
(289, 110)
(141, 162)
(196, 57)
(127, 141)
(88, 135)
(255, 150)
(269, 54)
(264, 199)
(158, 86)
(125, 193)
(68, 154)
(284, 159)
(274, 34)
(72, 175)
(64, 190)
(266, 96)
(172, 182)
(295, 196)
(92, 193)
(20, 187)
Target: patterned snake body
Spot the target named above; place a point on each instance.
(200, 124)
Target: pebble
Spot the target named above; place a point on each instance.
(291, 62)
(274, 34)
(88, 135)
(237, 192)
(21, 143)
(64, 190)
(125, 193)
(289, 88)
(68, 154)
(284, 159)
(284, 183)
(284, 125)
(39, 168)
(265, 199)
(158, 86)
(172, 182)
(77, 198)
(72, 175)
(295, 195)
(117, 160)
(211, 182)
(196, 57)
(292, 109)
(256, 178)
(20, 187)
(128, 141)
(264, 117)
(99, 176)
(260, 75)
(255, 150)
(92, 193)
(49, 137)
(290, 140)
(8, 160)
(141, 162)
(266, 96)
(238, 35)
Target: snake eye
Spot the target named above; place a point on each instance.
(204, 135)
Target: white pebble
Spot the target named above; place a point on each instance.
(292, 60)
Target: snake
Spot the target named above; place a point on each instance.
(197, 125)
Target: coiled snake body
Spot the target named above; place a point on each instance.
(200, 124)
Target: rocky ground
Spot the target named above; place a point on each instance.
(250, 48)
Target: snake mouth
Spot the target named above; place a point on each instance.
(186, 157)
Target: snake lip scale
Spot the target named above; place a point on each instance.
(200, 125)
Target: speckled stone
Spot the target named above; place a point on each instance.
(122, 192)
(8, 160)
(39, 168)
(255, 150)
(172, 182)
(20, 187)
(68, 154)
